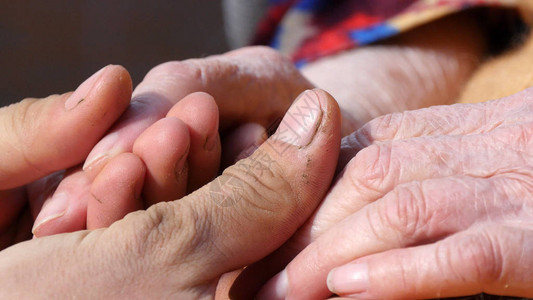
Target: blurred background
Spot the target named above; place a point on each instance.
(51, 46)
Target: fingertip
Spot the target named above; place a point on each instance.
(164, 133)
(200, 112)
(66, 209)
(108, 89)
(116, 191)
(59, 131)
(350, 279)
(164, 147)
(53, 210)
(117, 83)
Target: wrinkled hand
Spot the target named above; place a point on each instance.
(42, 136)
(179, 249)
(251, 85)
(435, 203)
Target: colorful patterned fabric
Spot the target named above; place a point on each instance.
(309, 29)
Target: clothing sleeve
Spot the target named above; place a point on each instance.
(307, 30)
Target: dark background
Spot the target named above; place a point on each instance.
(51, 46)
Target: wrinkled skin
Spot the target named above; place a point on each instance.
(435, 203)
(220, 66)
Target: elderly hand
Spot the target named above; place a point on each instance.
(42, 136)
(435, 203)
(179, 249)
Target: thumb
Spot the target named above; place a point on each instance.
(179, 249)
(39, 136)
(257, 204)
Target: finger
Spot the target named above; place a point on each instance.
(39, 137)
(200, 113)
(195, 236)
(40, 190)
(459, 119)
(493, 260)
(344, 198)
(412, 214)
(163, 148)
(253, 84)
(64, 210)
(256, 205)
(377, 169)
(116, 191)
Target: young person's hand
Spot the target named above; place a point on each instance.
(40, 138)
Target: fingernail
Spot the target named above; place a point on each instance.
(83, 90)
(349, 279)
(102, 151)
(275, 288)
(53, 208)
(301, 122)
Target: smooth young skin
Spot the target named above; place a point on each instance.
(180, 249)
(42, 136)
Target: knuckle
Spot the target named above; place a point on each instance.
(406, 213)
(516, 137)
(160, 233)
(477, 258)
(370, 170)
(383, 128)
(264, 188)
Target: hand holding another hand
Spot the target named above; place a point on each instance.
(174, 129)
(180, 249)
(43, 136)
(435, 203)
